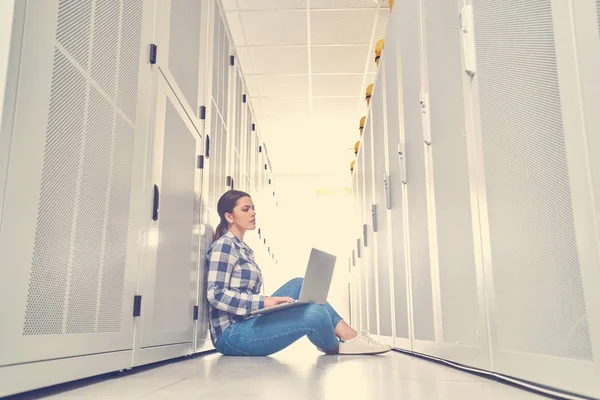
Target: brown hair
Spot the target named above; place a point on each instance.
(226, 204)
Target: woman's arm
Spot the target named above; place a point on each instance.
(221, 262)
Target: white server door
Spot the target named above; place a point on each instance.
(396, 181)
(67, 235)
(420, 285)
(182, 48)
(169, 281)
(538, 217)
(370, 255)
(460, 316)
(70, 232)
(361, 249)
(378, 215)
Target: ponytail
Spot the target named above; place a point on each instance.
(220, 231)
(225, 205)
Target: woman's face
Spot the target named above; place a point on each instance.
(243, 216)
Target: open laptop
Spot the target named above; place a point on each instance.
(315, 287)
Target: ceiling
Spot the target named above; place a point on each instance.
(307, 64)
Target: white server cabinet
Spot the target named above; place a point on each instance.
(461, 325)
(216, 104)
(361, 249)
(169, 283)
(370, 248)
(71, 229)
(218, 136)
(355, 270)
(378, 216)
(396, 180)
(535, 123)
(356, 252)
(420, 282)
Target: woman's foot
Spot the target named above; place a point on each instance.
(363, 344)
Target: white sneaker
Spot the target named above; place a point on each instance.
(363, 344)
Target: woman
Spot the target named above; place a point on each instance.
(233, 286)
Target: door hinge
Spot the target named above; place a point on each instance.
(244, 99)
(358, 248)
(202, 112)
(232, 60)
(365, 235)
(137, 305)
(196, 311)
(200, 162)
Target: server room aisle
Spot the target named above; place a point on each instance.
(299, 372)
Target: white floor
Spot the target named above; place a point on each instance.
(299, 372)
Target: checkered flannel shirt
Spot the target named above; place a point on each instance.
(234, 281)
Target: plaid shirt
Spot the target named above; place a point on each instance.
(234, 281)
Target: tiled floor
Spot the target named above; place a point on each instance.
(299, 372)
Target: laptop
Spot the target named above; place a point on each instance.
(315, 287)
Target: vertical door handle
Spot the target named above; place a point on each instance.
(155, 205)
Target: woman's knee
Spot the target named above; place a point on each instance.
(296, 281)
(315, 315)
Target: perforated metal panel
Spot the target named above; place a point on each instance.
(129, 57)
(422, 303)
(50, 264)
(174, 266)
(117, 229)
(383, 266)
(88, 247)
(80, 250)
(458, 283)
(105, 44)
(73, 29)
(539, 297)
(184, 47)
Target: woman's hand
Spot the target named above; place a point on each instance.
(273, 301)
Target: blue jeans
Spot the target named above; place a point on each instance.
(270, 333)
